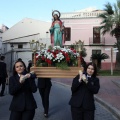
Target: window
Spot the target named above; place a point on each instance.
(96, 51)
(96, 35)
(67, 34)
(20, 45)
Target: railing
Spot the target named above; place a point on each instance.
(81, 14)
(97, 41)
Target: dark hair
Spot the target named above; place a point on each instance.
(95, 68)
(57, 16)
(2, 57)
(19, 59)
(14, 71)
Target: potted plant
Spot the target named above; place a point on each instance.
(97, 58)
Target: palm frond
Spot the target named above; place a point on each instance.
(108, 8)
(104, 32)
(118, 3)
(99, 56)
(104, 21)
(103, 16)
(115, 9)
(116, 14)
(112, 32)
(107, 27)
(104, 56)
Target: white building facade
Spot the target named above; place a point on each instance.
(3, 28)
(16, 40)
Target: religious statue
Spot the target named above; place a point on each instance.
(57, 30)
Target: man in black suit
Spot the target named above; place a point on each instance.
(29, 65)
(3, 75)
(44, 85)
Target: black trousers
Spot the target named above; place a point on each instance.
(44, 93)
(2, 82)
(79, 114)
(24, 115)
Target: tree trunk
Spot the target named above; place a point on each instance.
(117, 65)
(96, 62)
(99, 64)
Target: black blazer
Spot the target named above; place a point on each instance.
(3, 71)
(29, 66)
(83, 94)
(44, 82)
(22, 94)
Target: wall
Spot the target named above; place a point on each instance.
(82, 29)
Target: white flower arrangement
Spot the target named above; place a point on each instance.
(57, 55)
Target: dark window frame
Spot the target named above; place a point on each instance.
(20, 46)
(96, 51)
(67, 34)
(96, 34)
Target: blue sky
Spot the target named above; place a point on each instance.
(13, 11)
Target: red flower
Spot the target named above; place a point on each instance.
(56, 51)
(43, 58)
(48, 50)
(67, 59)
(48, 61)
(36, 56)
(66, 55)
(54, 54)
(63, 53)
(73, 50)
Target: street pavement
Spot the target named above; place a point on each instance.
(59, 108)
(108, 95)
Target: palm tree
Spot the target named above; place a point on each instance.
(97, 58)
(111, 23)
